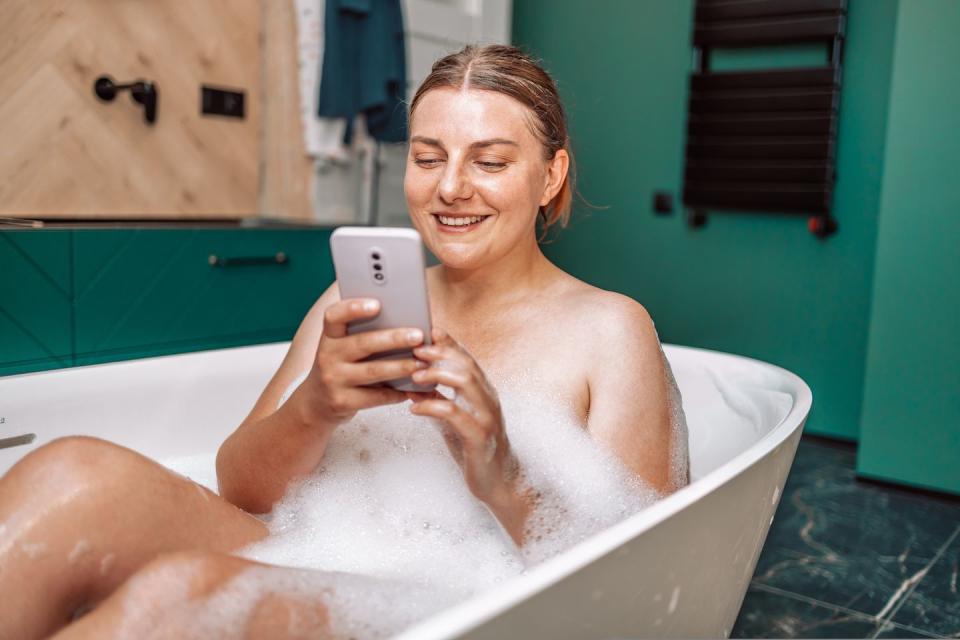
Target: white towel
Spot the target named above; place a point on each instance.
(323, 137)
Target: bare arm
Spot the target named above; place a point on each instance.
(473, 427)
(273, 446)
(629, 394)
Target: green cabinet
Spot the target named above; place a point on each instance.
(35, 295)
(95, 295)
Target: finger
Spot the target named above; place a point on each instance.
(363, 373)
(447, 346)
(337, 315)
(456, 379)
(417, 396)
(367, 398)
(469, 379)
(459, 420)
(439, 352)
(471, 396)
(360, 345)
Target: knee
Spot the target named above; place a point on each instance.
(70, 463)
(191, 590)
(183, 575)
(165, 597)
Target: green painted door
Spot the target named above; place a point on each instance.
(910, 429)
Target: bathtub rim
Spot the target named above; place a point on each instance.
(470, 614)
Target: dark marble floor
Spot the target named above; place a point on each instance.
(852, 559)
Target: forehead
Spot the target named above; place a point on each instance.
(470, 114)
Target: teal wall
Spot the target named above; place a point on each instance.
(911, 408)
(752, 284)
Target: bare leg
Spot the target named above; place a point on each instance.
(80, 515)
(189, 595)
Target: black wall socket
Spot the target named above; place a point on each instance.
(222, 102)
(662, 203)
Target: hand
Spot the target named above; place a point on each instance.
(472, 421)
(335, 385)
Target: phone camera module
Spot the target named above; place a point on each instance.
(378, 276)
(375, 255)
(377, 266)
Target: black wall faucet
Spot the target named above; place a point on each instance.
(143, 92)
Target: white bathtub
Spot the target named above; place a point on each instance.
(678, 569)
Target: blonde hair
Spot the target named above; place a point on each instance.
(510, 71)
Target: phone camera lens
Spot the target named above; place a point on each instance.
(378, 276)
(375, 255)
(377, 266)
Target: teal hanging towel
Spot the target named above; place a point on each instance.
(365, 67)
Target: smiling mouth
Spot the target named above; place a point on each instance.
(458, 224)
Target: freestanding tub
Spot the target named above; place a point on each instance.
(677, 569)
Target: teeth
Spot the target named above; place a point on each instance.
(459, 222)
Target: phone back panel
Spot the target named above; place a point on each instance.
(402, 290)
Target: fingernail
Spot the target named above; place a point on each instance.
(414, 336)
(371, 305)
(418, 375)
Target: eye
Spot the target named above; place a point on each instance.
(487, 165)
(427, 162)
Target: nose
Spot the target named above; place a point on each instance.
(454, 183)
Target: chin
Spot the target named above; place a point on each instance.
(453, 258)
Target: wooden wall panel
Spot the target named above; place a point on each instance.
(64, 153)
(287, 170)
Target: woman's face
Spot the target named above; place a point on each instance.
(472, 154)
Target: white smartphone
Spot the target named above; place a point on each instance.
(385, 263)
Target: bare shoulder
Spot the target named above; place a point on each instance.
(607, 319)
(628, 407)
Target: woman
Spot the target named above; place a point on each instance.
(90, 524)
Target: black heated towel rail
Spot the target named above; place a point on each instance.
(764, 140)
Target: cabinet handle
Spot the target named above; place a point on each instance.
(248, 261)
(17, 441)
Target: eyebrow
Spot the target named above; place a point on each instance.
(433, 142)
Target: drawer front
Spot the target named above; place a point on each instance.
(35, 292)
(148, 292)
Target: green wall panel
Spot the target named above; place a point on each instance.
(911, 415)
(85, 296)
(35, 293)
(138, 290)
(758, 285)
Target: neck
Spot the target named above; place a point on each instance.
(524, 269)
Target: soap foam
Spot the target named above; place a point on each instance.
(314, 602)
(392, 534)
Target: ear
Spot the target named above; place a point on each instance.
(557, 169)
